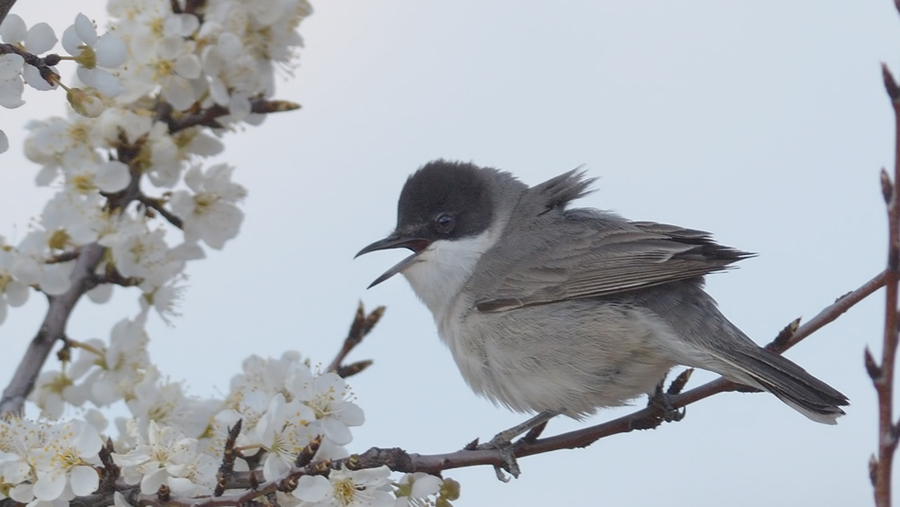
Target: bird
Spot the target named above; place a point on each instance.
(552, 309)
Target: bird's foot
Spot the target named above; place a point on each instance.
(662, 401)
(502, 442)
(507, 451)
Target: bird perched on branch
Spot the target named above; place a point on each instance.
(560, 310)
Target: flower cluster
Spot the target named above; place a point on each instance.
(153, 95)
(176, 441)
(48, 462)
(116, 144)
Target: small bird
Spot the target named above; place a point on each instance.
(555, 310)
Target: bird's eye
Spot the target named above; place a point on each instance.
(445, 223)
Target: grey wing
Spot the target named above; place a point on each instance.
(585, 253)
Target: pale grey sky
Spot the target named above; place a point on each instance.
(763, 122)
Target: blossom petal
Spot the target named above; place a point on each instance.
(372, 476)
(71, 41)
(17, 293)
(424, 485)
(33, 78)
(84, 480)
(111, 50)
(100, 294)
(274, 467)
(349, 413)
(336, 431)
(312, 488)
(112, 176)
(56, 278)
(188, 66)
(50, 486)
(84, 27)
(40, 38)
(151, 482)
(13, 29)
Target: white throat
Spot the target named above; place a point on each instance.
(443, 269)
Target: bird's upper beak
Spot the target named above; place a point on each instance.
(396, 240)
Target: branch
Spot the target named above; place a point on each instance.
(207, 117)
(883, 375)
(44, 64)
(157, 205)
(255, 486)
(5, 6)
(361, 326)
(52, 328)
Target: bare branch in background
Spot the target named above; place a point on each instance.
(882, 374)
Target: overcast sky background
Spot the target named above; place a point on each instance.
(763, 122)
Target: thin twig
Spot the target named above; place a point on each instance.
(157, 205)
(883, 375)
(361, 326)
(208, 117)
(44, 64)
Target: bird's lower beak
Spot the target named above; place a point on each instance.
(396, 241)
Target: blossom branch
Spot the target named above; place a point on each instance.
(42, 64)
(207, 117)
(52, 328)
(882, 375)
(156, 204)
(112, 275)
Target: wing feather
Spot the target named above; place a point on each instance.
(587, 253)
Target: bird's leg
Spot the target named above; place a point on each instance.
(660, 400)
(503, 442)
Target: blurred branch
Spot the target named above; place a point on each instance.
(5, 6)
(208, 117)
(156, 204)
(44, 64)
(52, 328)
(882, 375)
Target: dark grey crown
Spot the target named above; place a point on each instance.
(446, 200)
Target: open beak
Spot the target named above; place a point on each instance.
(395, 240)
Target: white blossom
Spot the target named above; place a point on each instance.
(282, 432)
(12, 291)
(38, 39)
(94, 54)
(143, 254)
(346, 488)
(63, 465)
(123, 364)
(60, 142)
(325, 395)
(30, 268)
(166, 456)
(210, 213)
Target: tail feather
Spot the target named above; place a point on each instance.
(789, 382)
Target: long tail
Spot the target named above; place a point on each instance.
(718, 345)
(789, 382)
